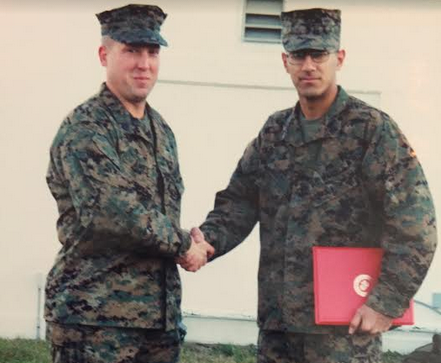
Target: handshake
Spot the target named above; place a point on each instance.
(198, 253)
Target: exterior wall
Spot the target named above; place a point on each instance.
(243, 330)
(215, 91)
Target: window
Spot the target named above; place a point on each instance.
(262, 21)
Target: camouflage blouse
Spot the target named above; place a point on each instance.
(118, 188)
(350, 179)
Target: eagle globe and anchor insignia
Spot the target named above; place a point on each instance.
(362, 284)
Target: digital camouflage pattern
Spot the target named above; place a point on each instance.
(351, 179)
(118, 188)
(311, 29)
(92, 344)
(133, 24)
(279, 347)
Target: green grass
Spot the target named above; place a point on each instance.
(221, 353)
(32, 351)
(23, 351)
(392, 357)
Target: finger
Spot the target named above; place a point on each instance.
(384, 327)
(210, 250)
(202, 259)
(367, 326)
(185, 266)
(355, 323)
(192, 269)
(194, 264)
(197, 235)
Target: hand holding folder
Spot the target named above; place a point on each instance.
(343, 277)
(367, 320)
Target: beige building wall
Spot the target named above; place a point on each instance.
(216, 92)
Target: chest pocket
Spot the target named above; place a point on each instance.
(138, 161)
(323, 181)
(326, 188)
(275, 175)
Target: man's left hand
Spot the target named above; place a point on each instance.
(367, 320)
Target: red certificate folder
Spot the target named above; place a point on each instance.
(343, 277)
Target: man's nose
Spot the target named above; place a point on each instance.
(144, 60)
(308, 64)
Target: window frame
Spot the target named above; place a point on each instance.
(246, 25)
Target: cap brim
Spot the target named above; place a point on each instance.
(292, 44)
(142, 36)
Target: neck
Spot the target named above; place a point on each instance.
(315, 107)
(135, 108)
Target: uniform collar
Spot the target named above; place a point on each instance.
(331, 122)
(141, 128)
(123, 117)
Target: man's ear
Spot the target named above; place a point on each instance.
(285, 61)
(341, 55)
(102, 52)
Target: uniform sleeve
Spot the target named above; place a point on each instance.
(236, 208)
(114, 211)
(400, 194)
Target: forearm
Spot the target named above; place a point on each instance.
(236, 208)
(396, 182)
(134, 229)
(409, 246)
(231, 220)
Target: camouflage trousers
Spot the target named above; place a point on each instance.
(280, 347)
(94, 344)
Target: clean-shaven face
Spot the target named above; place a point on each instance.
(132, 69)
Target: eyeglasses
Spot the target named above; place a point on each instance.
(317, 56)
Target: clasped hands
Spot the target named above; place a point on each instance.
(198, 253)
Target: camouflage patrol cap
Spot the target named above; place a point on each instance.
(311, 29)
(133, 23)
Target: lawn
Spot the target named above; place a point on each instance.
(32, 351)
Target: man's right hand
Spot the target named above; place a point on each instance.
(199, 237)
(198, 253)
(367, 320)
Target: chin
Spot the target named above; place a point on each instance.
(312, 94)
(140, 96)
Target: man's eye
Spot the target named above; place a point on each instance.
(153, 52)
(318, 55)
(132, 50)
(298, 56)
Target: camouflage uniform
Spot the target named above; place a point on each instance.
(349, 178)
(281, 347)
(94, 344)
(117, 184)
(118, 188)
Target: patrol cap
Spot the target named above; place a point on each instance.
(133, 24)
(311, 29)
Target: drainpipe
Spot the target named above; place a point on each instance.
(39, 295)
